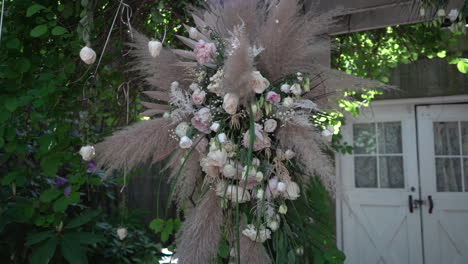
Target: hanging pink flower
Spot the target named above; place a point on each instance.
(204, 51)
(273, 98)
(261, 139)
(201, 120)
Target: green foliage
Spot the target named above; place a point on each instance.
(165, 227)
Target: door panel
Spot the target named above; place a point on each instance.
(377, 225)
(443, 159)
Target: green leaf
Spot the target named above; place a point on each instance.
(462, 65)
(34, 9)
(44, 253)
(157, 225)
(9, 178)
(61, 204)
(442, 54)
(224, 250)
(13, 43)
(38, 31)
(50, 195)
(23, 65)
(72, 251)
(50, 164)
(165, 236)
(82, 219)
(11, 104)
(35, 238)
(84, 238)
(58, 30)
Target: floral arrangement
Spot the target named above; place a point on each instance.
(235, 118)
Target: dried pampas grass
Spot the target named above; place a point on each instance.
(161, 71)
(309, 146)
(186, 182)
(252, 252)
(199, 237)
(141, 142)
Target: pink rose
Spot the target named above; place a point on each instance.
(198, 97)
(201, 120)
(261, 139)
(204, 51)
(273, 98)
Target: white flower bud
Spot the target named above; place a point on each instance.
(300, 251)
(453, 15)
(222, 138)
(260, 194)
(422, 11)
(214, 127)
(289, 154)
(182, 129)
(259, 176)
(281, 187)
(285, 88)
(154, 48)
(229, 171)
(270, 125)
(185, 142)
(296, 89)
(193, 33)
(441, 12)
(288, 102)
(194, 87)
(255, 162)
(175, 85)
(167, 114)
(87, 152)
(273, 225)
(122, 233)
(292, 191)
(88, 55)
(283, 209)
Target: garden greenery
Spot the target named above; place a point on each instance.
(56, 209)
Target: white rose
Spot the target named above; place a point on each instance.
(193, 33)
(222, 138)
(453, 15)
(218, 157)
(258, 82)
(273, 225)
(260, 235)
(289, 154)
(185, 142)
(283, 209)
(198, 97)
(260, 194)
(194, 87)
(296, 89)
(270, 125)
(154, 48)
(122, 233)
(230, 103)
(229, 171)
(182, 129)
(88, 55)
(288, 102)
(281, 187)
(259, 176)
(285, 88)
(441, 12)
(214, 127)
(87, 152)
(292, 191)
(233, 193)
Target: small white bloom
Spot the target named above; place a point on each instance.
(258, 82)
(230, 103)
(252, 172)
(182, 129)
(289, 154)
(292, 191)
(283, 209)
(296, 89)
(214, 127)
(453, 14)
(260, 194)
(326, 133)
(87, 152)
(422, 11)
(167, 114)
(270, 125)
(300, 78)
(222, 138)
(194, 87)
(88, 55)
(254, 108)
(273, 225)
(259, 176)
(285, 88)
(154, 48)
(288, 102)
(229, 171)
(441, 12)
(122, 233)
(185, 142)
(260, 235)
(281, 187)
(256, 162)
(300, 251)
(193, 33)
(175, 85)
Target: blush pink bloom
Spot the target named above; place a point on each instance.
(273, 98)
(201, 120)
(204, 52)
(261, 139)
(198, 97)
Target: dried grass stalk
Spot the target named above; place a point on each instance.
(188, 179)
(198, 240)
(136, 144)
(252, 252)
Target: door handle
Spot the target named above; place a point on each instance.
(410, 203)
(431, 204)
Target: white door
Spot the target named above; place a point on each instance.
(443, 159)
(379, 179)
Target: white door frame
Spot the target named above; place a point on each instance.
(410, 103)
